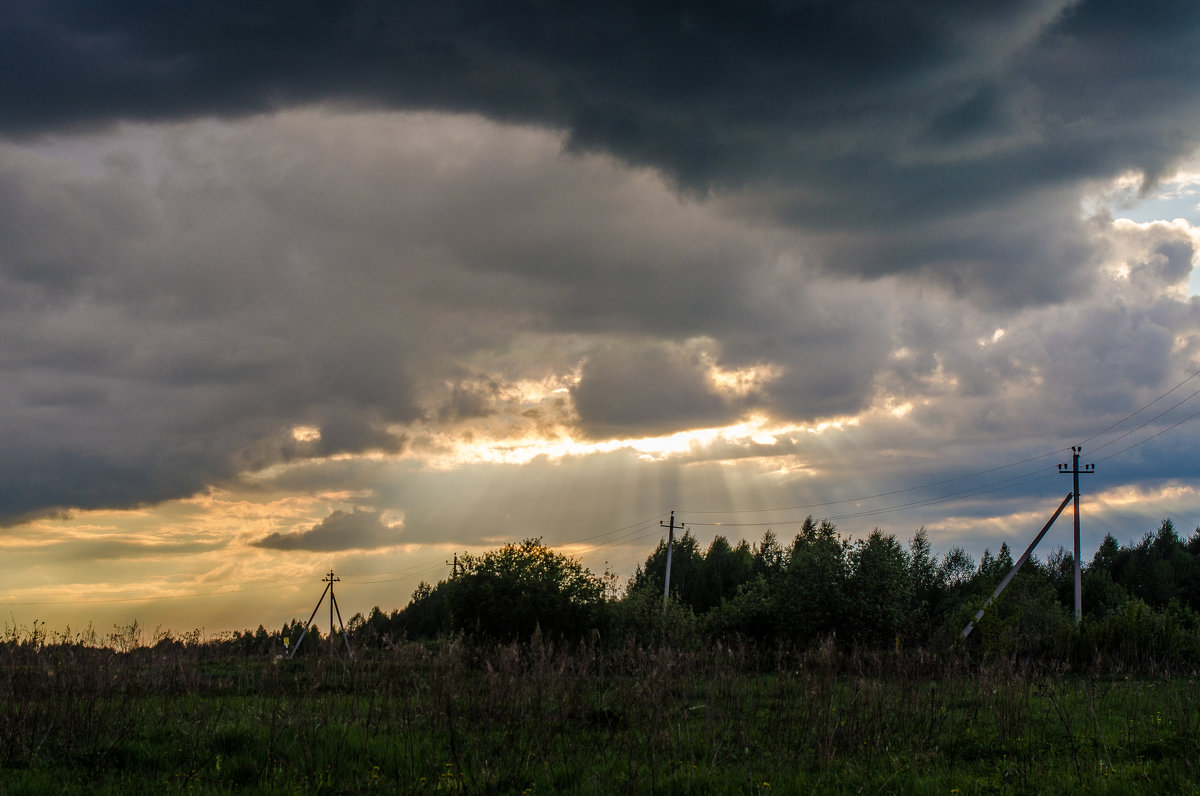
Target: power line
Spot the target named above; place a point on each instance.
(1146, 423)
(1142, 409)
(1152, 436)
(974, 491)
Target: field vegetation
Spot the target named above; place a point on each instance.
(821, 666)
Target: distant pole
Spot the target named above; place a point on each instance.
(328, 580)
(670, 540)
(1075, 473)
(331, 579)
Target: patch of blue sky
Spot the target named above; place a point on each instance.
(1171, 200)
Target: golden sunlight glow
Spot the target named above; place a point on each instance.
(306, 433)
(439, 450)
(742, 380)
(1124, 496)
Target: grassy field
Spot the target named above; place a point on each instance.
(539, 718)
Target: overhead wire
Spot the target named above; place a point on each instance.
(1146, 423)
(1152, 436)
(1143, 408)
(1018, 480)
(889, 493)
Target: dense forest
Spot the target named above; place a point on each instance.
(1140, 601)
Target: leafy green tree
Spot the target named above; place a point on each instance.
(687, 572)
(928, 588)
(723, 570)
(426, 616)
(811, 598)
(879, 590)
(992, 569)
(1060, 567)
(1102, 595)
(956, 569)
(1107, 554)
(747, 613)
(1189, 577)
(769, 557)
(510, 592)
(641, 617)
(1026, 616)
(1153, 570)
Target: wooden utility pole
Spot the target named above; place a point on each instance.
(1075, 472)
(328, 580)
(670, 541)
(331, 579)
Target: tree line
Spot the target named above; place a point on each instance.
(1141, 600)
(872, 593)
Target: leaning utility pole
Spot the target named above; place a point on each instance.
(1012, 572)
(1075, 473)
(670, 540)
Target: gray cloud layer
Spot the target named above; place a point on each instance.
(341, 530)
(853, 194)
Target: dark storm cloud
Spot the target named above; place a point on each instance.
(355, 530)
(469, 400)
(854, 121)
(183, 303)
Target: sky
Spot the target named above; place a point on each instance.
(292, 287)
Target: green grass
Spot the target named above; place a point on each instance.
(543, 719)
